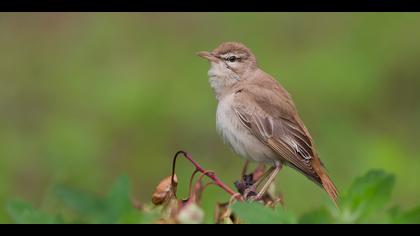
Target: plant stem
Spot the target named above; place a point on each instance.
(211, 175)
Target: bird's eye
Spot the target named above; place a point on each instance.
(232, 58)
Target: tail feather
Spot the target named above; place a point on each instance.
(330, 188)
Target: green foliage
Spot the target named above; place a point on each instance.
(366, 201)
(81, 202)
(321, 216)
(89, 207)
(24, 213)
(368, 194)
(409, 217)
(256, 213)
(115, 207)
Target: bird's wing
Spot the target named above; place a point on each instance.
(271, 116)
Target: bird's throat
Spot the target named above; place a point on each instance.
(221, 79)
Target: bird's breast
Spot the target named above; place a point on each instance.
(238, 137)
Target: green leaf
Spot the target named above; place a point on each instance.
(133, 216)
(321, 216)
(93, 208)
(83, 203)
(256, 213)
(368, 194)
(136, 216)
(24, 213)
(410, 217)
(119, 196)
(118, 199)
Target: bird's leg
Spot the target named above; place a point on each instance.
(258, 173)
(245, 168)
(251, 191)
(270, 180)
(263, 177)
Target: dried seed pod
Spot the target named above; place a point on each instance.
(165, 221)
(190, 214)
(165, 191)
(223, 214)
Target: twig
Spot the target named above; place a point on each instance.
(198, 187)
(191, 181)
(211, 175)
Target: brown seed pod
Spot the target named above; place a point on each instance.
(164, 191)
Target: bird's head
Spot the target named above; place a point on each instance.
(230, 62)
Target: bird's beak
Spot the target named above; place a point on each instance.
(208, 55)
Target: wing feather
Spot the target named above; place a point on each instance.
(275, 125)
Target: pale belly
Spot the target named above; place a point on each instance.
(239, 137)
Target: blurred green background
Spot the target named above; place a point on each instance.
(86, 97)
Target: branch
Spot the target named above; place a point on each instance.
(209, 174)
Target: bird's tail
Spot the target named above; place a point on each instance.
(329, 187)
(325, 181)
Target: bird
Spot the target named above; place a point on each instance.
(258, 119)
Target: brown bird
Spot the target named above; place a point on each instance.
(257, 118)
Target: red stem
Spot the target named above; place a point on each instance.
(191, 180)
(211, 175)
(197, 186)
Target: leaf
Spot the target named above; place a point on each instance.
(256, 213)
(83, 203)
(24, 213)
(410, 217)
(118, 198)
(368, 194)
(146, 215)
(95, 209)
(321, 216)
